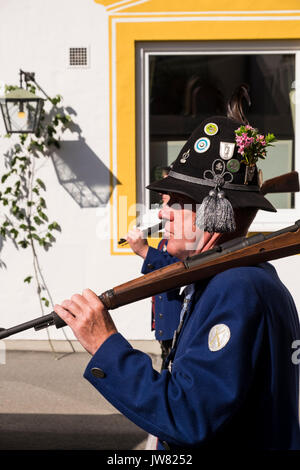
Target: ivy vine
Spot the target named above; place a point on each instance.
(24, 220)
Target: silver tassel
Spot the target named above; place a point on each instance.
(215, 213)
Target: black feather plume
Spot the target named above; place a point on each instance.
(235, 103)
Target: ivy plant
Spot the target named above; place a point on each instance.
(23, 219)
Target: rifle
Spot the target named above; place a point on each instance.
(238, 252)
(287, 183)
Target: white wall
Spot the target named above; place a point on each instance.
(35, 37)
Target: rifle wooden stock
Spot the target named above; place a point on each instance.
(287, 183)
(235, 253)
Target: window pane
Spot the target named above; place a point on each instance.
(185, 89)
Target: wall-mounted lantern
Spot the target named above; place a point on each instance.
(21, 109)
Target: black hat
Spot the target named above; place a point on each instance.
(210, 171)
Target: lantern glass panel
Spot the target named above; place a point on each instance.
(22, 115)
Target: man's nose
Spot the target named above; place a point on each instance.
(166, 213)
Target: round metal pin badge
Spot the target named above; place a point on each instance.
(202, 145)
(233, 165)
(211, 128)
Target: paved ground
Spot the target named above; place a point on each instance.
(45, 403)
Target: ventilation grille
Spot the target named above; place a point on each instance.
(78, 57)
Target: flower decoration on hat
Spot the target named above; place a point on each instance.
(252, 146)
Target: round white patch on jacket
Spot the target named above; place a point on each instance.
(218, 337)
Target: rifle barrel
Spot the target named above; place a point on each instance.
(38, 324)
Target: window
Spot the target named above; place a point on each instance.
(180, 84)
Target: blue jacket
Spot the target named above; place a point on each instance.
(167, 305)
(241, 396)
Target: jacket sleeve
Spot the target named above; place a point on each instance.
(157, 259)
(206, 386)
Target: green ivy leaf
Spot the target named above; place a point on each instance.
(35, 236)
(43, 202)
(23, 138)
(14, 232)
(46, 301)
(51, 237)
(57, 99)
(4, 177)
(23, 243)
(28, 279)
(41, 183)
(43, 215)
(54, 226)
(37, 220)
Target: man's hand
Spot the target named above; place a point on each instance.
(88, 318)
(137, 243)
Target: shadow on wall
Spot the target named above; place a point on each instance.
(82, 174)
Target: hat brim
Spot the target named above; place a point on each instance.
(198, 192)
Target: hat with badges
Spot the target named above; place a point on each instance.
(212, 169)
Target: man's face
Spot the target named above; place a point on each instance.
(184, 238)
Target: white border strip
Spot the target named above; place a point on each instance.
(200, 13)
(297, 122)
(207, 18)
(114, 136)
(147, 126)
(129, 5)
